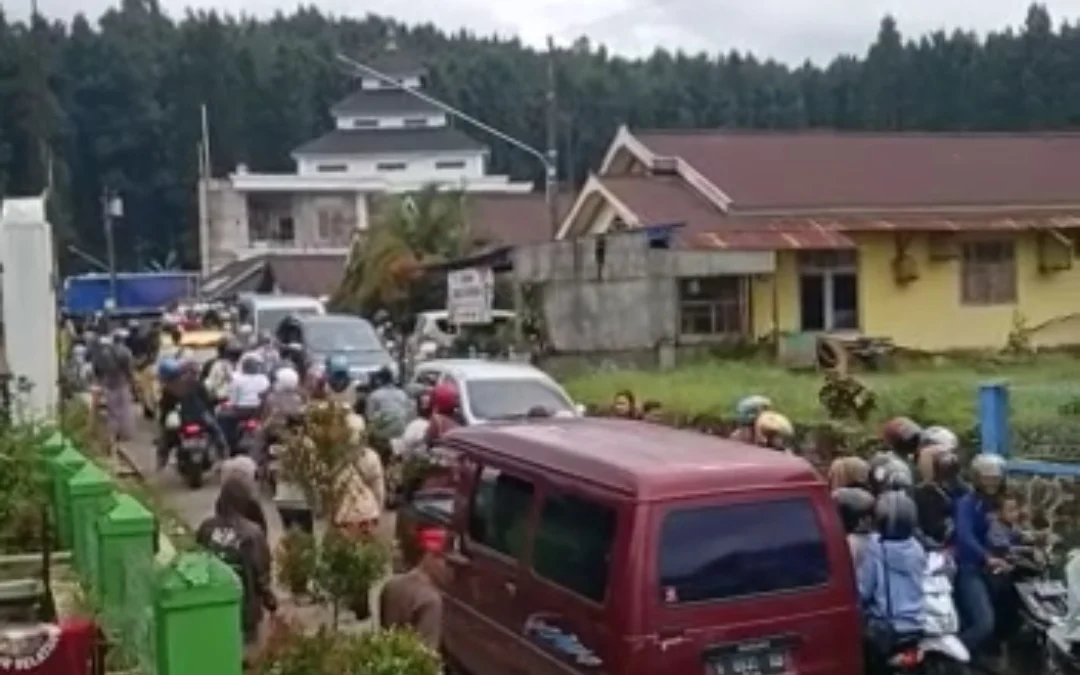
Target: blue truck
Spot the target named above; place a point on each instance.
(136, 292)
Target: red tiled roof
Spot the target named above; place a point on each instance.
(808, 170)
(512, 219)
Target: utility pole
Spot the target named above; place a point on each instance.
(112, 207)
(546, 158)
(551, 167)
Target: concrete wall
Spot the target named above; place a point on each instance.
(631, 301)
(413, 166)
(321, 221)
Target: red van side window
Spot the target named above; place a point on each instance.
(573, 545)
(499, 513)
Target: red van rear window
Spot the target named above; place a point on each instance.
(738, 550)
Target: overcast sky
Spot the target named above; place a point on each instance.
(789, 30)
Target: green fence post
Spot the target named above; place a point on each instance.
(91, 492)
(61, 468)
(198, 617)
(125, 550)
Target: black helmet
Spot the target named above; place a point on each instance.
(232, 349)
(853, 504)
(896, 515)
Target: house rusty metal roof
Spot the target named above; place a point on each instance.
(809, 170)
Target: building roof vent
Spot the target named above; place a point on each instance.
(665, 166)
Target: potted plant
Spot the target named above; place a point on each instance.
(297, 561)
(346, 571)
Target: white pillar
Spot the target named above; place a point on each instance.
(26, 254)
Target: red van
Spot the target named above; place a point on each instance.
(625, 548)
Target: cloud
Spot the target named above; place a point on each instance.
(787, 30)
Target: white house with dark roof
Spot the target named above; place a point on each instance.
(384, 140)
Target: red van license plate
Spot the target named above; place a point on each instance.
(768, 660)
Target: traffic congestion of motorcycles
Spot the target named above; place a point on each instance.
(220, 381)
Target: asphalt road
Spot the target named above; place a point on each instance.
(191, 505)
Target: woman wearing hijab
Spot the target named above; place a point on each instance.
(363, 486)
(244, 470)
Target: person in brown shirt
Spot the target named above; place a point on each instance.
(412, 600)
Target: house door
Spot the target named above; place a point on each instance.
(828, 290)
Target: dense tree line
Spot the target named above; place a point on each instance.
(85, 106)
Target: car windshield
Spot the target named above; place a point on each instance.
(710, 553)
(270, 319)
(328, 337)
(509, 398)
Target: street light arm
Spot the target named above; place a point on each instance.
(448, 109)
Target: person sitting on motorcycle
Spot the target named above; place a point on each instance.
(208, 366)
(890, 579)
(412, 442)
(182, 395)
(939, 436)
(975, 562)
(856, 508)
(339, 386)
(387, 409)
(747, 411)
(849, 472)
(445, 411)
(220, 374)
(901, 437)
(773, 430)
(936, 495)
(246, 393)
(888, 473)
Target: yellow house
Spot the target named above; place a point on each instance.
(937, 241)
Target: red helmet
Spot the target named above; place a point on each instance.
(444, 398)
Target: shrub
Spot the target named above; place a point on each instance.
(297, 560)
(329, 652)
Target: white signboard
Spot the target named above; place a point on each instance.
(469, 295)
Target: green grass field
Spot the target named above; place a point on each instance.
(944, 393)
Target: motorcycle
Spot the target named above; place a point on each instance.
(938, 650)
(193, 451)
(1043, 600)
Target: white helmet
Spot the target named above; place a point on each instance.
(938, 435)
(286, 379)
(987, 465)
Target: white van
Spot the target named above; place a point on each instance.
(265, 311)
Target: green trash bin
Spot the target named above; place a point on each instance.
(90, 492)
(61, 468)
(197, 616)
(125, 548)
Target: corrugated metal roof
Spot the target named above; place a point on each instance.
(821, 169)
(765, 240)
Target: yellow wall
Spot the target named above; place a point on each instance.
(926, 313)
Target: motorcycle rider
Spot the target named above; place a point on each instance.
(246, 394)
(183, 395)
(387, 410)
(221, 371)
(773, 430)
(848, 472)
(901, 436)
(973, 557)
(446, 411)
(936, 495)
(856, 508)
(890, 579)
(940, 436)
(338, 385)
(747, 411)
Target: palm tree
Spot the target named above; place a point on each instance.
(407, 233)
